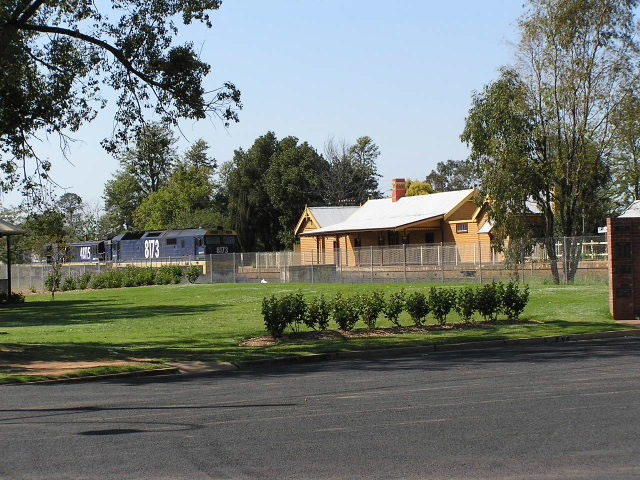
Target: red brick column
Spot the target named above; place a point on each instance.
(623, 238)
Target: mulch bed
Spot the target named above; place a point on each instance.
(300, 337)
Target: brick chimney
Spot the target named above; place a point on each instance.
(399, 188)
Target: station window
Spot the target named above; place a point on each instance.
(462, 228)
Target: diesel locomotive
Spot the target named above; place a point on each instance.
(190, 242)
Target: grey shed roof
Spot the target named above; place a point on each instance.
(632, 211)
(7, 228)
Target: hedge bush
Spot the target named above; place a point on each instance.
(489, 300)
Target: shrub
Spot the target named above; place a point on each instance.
(84, 280)
(145, 275)
(371, 306)
(345, 312)
(466, 303)
(394, 306)
(417, 307)
(109, 279)
(274, 321)
(318, 312)
(69, 284)
(168, 274)
(193, 273)
(514, 300)
(13, 297)
(52, 282)
(441, 302)
(489, 300)
(294, 308)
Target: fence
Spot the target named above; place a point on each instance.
(405, 263)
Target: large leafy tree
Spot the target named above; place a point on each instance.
(453, 175)
(542, 132)
(144, 168)
(179, 203)
(56, 57)
(249, 207)
(350, 176)
(292, 181)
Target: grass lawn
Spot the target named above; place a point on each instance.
(206, 322)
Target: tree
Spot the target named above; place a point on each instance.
(453, 175)
(292, 181)
(542, 132)
(153, 157)
(268, 187)
(416, 187)
(122, 196)
(187, 191)
(57, 57)
(626, 165)
(249, 208)
(350, 176)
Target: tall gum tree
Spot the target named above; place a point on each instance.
(56, 57)
(543, 133)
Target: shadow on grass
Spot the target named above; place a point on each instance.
(70, 312)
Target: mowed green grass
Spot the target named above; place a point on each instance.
(207, 322)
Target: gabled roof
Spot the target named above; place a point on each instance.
(632, 210)
(7, 228)
(384, 214)
(326, 216)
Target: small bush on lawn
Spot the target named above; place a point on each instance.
(489, 300)
(345, 312)
(274, 321)
(168, 274)
(441, 301)
(371, 306)
(318, 313)
(514, 300)
(69, 284)
(109, 279)
(52, 282)
(294, 308)
(84, 280)
(417, 307)
(466, 303)
(11, 298)
(394, 307)
(193, 273)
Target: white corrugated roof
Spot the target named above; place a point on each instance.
(327, 216)
(632, 211)
(385, 214)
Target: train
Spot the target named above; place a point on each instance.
(155, 244)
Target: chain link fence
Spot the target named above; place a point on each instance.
(404, 263)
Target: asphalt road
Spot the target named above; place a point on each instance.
(564, 411)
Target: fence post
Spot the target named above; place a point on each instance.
(480, 256)
(312, 267)
(371, 261)
(404, 260)
(234, 267)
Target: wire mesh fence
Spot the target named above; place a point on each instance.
(404, 263)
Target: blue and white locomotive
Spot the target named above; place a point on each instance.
(190, 242)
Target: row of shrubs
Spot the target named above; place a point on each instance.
(127, 277)
(488, 300)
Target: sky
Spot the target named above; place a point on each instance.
(402, 73)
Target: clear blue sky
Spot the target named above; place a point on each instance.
(400, 72)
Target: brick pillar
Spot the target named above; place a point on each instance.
(623, 238)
